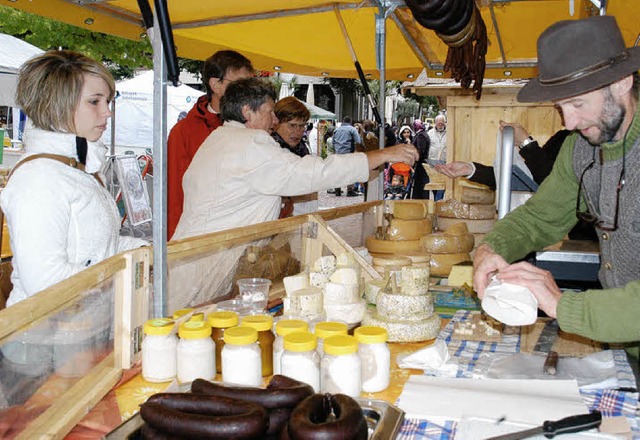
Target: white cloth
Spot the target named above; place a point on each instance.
(313, 141)
(510, 303)
(60, 219)
(237, 178)
(438, 144)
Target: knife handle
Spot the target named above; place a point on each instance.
(578, 423)
(551, 363)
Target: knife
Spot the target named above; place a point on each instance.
(550, 429)
(544, 346)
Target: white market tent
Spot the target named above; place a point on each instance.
(134, 110)
(13, 53)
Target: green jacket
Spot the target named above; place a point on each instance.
(609, 315)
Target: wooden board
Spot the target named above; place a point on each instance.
(566, 344)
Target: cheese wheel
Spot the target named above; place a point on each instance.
(325, 265)
(459, 228)
(372, 289)
(477, 195)
(391, 260)
(295, 282)
(414, 280)
(443, 243)
(441, 264)
(402, 330)
(409, 210)
(418, 257)
(305, 302)
(474, 226)
(402, 230)
(318, 279)
(404, 307)
(391, 247)
(336, 293)
(451, 208)
(345, 275)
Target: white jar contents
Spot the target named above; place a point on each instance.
(375, 358)
(196, 352)
(300, 360)
(284, 327)
(241, 357)
(340, 366)
(159, 351)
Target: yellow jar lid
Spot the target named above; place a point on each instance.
(158, 326)
(180, 313)
(299, 341)
(340, 344)
(223, 319)
(240, 335)
(370, 334)
(194, 330)
(286, 326)
(329, 328)
(259, 322)
(197, 317)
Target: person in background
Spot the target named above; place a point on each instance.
(239, 176)
(187, 135)
(312, 129)
(421, 141)
(438, 147)
(288, 132)
(405, 135)
(596, 177)
(61, 218)
(345, 139)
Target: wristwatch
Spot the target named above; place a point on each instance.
(526, 142)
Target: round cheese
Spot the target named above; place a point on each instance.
(404, 331)
(441, 264)
(391, 260)
(443, 243)
(402, 230)
(304, 302)
(375, 245)
(404, 307)
(414, 280)
(408, 210)
(418, 258)
(474, 226)
(477, 195)
(336, 294)
(451, 208)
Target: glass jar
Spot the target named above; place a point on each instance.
(196, 352)
(325, 329)
(340, 367)
(283, 328)
(300, 359)
(220, 321)
(263, 325)
(159, 351)
(375, 357)
(241, 362)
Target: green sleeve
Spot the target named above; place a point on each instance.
(545, 218)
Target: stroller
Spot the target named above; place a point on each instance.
(398, 181)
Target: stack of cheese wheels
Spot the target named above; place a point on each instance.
(405, 307)
(448, 248)
(410, 221)
(479, 217)
(386, 263)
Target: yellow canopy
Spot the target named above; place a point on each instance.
(304, 37)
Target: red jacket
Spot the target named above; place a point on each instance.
(184, 140)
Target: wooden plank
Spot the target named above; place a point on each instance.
(72, 406)
(31, 311)
(330, 214)
(312, 246)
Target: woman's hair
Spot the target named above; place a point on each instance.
(50, 87)
(251, 91)
(290, 108)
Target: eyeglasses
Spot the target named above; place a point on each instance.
(587, 216)
(293, 126)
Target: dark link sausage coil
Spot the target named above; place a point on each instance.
(204, 417)
(311, 420)
(282, 392)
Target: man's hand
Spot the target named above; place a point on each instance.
(405, 153)
(538, 281)
(519, 132)
(485, 264)
(454, 169)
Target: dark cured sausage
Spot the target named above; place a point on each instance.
(282, 392)
(309, 420)
(203, 417)
(278, 419)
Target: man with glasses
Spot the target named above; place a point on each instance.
(596, 177)
(189, 133)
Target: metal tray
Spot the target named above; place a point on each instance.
(383, 419)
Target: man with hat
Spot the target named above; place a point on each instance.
(596, 177)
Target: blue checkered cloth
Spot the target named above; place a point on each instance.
(472, 354)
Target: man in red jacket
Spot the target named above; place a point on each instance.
(188, 134)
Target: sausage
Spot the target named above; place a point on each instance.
(278, 419)
(309, 420)
(149, 433)
(282, 392)
(205, 417)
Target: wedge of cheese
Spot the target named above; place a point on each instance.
(296, 282)
(461, 274)
(441, 264)
(305, 302)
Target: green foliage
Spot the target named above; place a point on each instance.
(426, 102)
(407, 109)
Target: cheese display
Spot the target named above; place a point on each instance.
(402, 230)
(456, 239)
(372, 289)
(383, 263)
(404, 306)
(441, 264)
(474, 226)
(339, 294)
(407, 210)
(306, 303)
(452, 208)
(376, 245)
(461, 274)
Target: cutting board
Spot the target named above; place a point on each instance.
(566, 344)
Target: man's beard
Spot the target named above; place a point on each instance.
(611, 119)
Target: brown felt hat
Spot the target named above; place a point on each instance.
(578, 56)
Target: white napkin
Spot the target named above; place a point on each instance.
(432, 359)
(510, 303)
